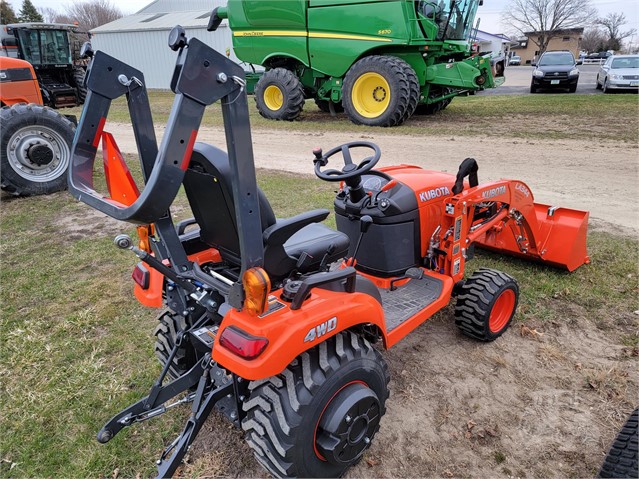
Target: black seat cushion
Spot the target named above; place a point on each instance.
(314, 240)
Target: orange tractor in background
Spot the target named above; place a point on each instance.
(35, 141)
(272, 321)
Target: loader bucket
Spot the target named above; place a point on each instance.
(559, 235)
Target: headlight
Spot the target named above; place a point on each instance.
(573, 72)
(4, 74)
(616, 77)
(538, 73)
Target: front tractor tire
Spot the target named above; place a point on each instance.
(377, 91)
(279, 95)
(318, 417)
(486, 304)
(78, 76)
(35, 149)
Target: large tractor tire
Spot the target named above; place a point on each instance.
(279, 95)
(78, 76)
(35, 149)
(621, 460)
(377, 92)
(324, 106)
(318, 417)
(486, 304)
(166, 331)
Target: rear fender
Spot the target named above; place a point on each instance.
(291, 332)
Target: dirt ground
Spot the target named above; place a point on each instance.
(600, 177)
(546, 399)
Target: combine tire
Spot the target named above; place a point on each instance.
(621, 460)
(165, 333)
(323, 105)
(279, 95)
(486, 304)
(35, 149)
(415, 91)
(78, 76)
(319, 415)
(377, 92)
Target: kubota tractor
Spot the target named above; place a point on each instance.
(378, 60)
(35, 141)
(272, 321)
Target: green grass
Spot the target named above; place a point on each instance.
(556, 116)
(76, 347)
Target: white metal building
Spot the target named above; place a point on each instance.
(141, 39)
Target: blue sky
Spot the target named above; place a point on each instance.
(489, 13)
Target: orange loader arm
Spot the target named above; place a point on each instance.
(502, 216)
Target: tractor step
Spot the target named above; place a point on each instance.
(410, 298)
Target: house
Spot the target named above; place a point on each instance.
(497, 44)
(568, 39)
(141, 39)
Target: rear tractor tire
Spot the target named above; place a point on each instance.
(165, 334)
(78, 76)
(486, 304)
(377, 92)
(279, 95)
(318, 417)
(35, 149)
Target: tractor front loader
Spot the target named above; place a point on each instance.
(272, 321)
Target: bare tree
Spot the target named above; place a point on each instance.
(612, 24)
(593, 40)
(547, 18)
(49, 14)
(93, 13)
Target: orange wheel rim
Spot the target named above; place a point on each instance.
(502, 311)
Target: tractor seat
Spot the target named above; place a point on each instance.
(208, 189)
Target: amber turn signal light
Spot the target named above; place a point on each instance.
(257, 286)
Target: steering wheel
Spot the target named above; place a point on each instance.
(350, 169)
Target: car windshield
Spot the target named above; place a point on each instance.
(557, 59)
(630, 62)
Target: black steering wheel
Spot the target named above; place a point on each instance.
(350, 170)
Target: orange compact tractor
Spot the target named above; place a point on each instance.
(272, 321)
(35, 141)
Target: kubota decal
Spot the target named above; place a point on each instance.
(500, 190)
(321, 329)
(434, 193)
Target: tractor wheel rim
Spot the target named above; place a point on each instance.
(371, 95)
(502, 311)
(347, 424)
(26, 142)
(273, 97)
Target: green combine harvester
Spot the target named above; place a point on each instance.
(380, 61)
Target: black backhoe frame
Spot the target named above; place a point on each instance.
(201, 77)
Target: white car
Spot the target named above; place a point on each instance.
(515, 60)
(619, 72)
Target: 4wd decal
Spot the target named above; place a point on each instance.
(321, 329)
(500, 190)
(434, 193)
